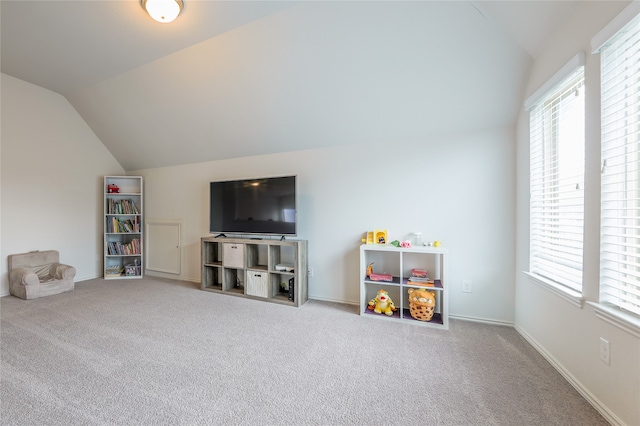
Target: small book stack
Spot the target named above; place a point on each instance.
(420, 278)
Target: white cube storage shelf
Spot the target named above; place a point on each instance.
(399, 262)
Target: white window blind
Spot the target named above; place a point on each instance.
(620, 180)
(557, 181)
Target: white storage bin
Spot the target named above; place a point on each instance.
(233, 255)
(257, 284)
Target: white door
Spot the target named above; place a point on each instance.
(163, 246)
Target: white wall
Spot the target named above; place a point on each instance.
(458, 189)
(566, 334)
(51, 175)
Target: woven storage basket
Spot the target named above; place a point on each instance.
(421, 313)
(422, 303)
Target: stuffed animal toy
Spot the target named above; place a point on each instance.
(382, 303)
(421, 303)
(370, 269)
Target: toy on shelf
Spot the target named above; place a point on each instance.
(369, 238)
(421, 303)
(419, 273)
(382, 303)
(370, 269)
(113, 189)
(378, 236)
(381, 277)
(377, 277)
(403, 244)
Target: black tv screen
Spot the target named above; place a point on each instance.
(253, 206)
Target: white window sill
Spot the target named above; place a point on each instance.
(617, 317)
(567, 294)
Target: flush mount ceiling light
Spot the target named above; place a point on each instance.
(163, 10)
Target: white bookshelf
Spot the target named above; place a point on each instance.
(123, 226)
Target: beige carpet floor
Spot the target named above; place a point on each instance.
(162, 352)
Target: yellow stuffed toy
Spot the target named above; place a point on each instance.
(421, 303)
(382, 303)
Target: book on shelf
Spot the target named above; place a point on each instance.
(117, 248)
(420, 282)
(116, 225)
(122, 207)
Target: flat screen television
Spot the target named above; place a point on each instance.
(264, 206)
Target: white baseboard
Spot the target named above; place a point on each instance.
(595, 402)
(170, 276)
(77, 280)
(344, 302)
(482, 320)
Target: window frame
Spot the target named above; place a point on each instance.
(610, 307)
(548, 97)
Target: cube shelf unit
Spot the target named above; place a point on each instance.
(123, 225)
(253, 268)
(398, 262)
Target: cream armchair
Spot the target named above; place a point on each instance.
(39, 273)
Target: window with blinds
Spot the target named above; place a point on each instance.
(620, 179)
(557, 130)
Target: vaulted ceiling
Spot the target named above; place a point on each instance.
(242, 78)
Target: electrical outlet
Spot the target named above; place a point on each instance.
(605, 351)
(310, 272)
(466, 286)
